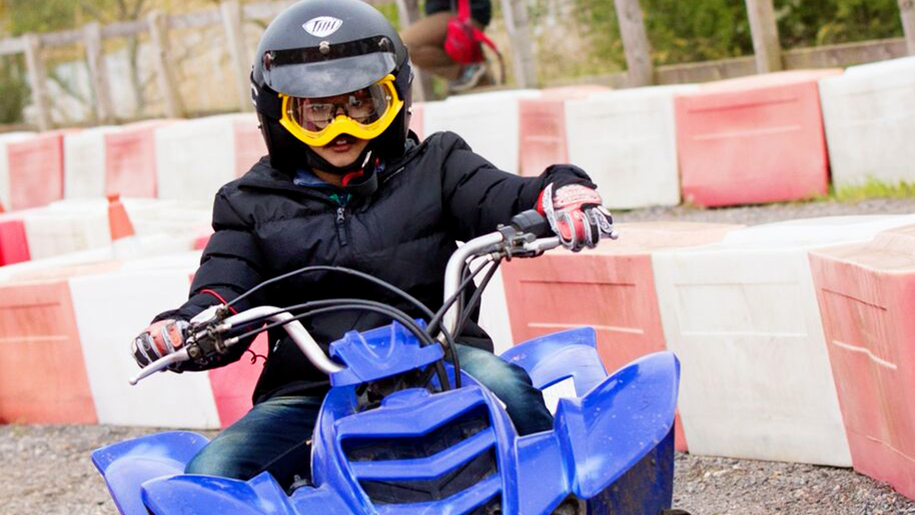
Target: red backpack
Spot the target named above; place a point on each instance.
(463, 41)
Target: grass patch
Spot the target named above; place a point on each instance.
(872, 188)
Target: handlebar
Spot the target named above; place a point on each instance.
(492, 243)
(294, 328)
(516, 240)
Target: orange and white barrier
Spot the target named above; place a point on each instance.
(42, 377)
(111, 309)
(130, 159)
(488, 122)
(753, 140)
(197, 157)
(69, 329)
(111, 159)
(76, 225)
(84, 163)
(65, 227)
(866, 294)
(36, 170)
(13, 245)
(626, 142)
(5, 139)
(742, 317)
(542, 133)
(610, 288)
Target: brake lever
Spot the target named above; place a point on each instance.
(541, 245)
(204, 340)
(160, 365)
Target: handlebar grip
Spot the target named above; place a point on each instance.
(532, 222)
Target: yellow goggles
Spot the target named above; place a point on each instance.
(364, 113)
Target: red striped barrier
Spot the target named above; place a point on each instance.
(130, 159)
(14, 247)
(610, 288)
(36, 170)
(753, 140)
(866, 295)
(42, 377)
(249, 146)
(542, 128)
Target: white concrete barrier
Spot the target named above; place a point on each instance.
(110, 311)
(626, 141)
(66, 226)
(488, 122)
(195, 158)
(76, 225)
(742, 316)
(84, 163)
(869, 119)
(180, 219)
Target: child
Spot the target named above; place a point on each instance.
(347, 184)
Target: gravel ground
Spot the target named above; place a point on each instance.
(753, 215)
(47, 470)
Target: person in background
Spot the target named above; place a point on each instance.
(426, 41)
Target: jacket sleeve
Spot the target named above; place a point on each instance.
(231, 265)
(478, 196)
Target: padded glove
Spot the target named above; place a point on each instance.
(159, 339)
(576, 215)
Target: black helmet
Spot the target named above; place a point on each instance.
(325, 48)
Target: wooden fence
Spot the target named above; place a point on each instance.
(640, 71)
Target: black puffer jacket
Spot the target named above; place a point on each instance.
(404, 233)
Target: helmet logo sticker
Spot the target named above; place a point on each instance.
(322, 26)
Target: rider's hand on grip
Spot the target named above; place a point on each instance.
(159, 339)
(576, 215)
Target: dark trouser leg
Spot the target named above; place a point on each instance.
(512, 385)
(272, 436)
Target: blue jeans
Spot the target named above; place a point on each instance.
(275, 435)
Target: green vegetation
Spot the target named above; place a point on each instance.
(19, 17)
(14, 92)
(23, 16)
(700, 30)
(872, 188)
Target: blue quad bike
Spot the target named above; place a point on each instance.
(404, 431)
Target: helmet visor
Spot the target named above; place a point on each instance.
(364, 113)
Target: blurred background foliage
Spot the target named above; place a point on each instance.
(575, 38)
(683, 31)
(18, 17)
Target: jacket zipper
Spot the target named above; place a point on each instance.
(341, 225)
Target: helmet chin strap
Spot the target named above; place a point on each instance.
(317, 162)
(363, 185)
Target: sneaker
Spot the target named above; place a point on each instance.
(470, 77)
